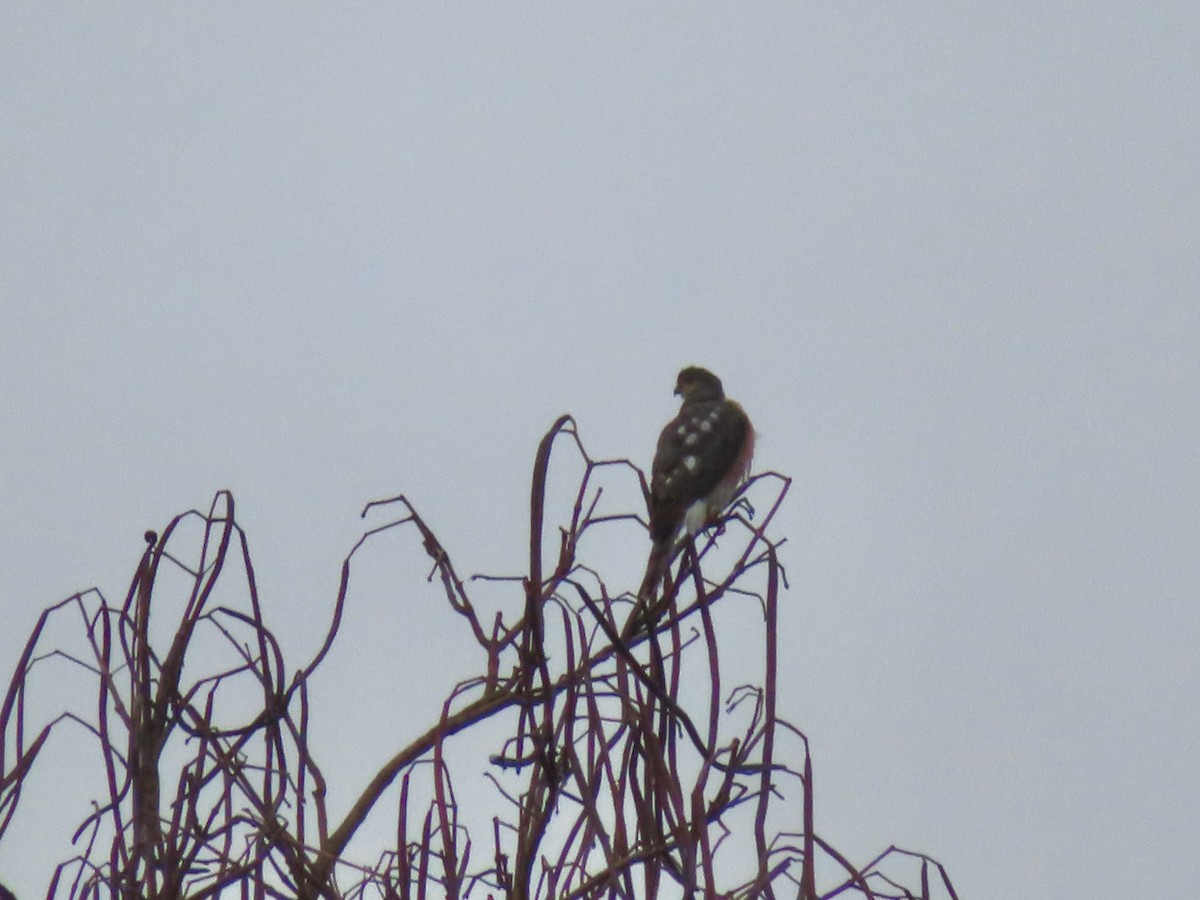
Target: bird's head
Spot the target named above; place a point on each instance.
(696, 385)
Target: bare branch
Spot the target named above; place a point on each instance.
(625, 766)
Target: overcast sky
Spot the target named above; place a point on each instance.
(946, 256)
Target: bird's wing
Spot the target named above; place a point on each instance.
(698, 451)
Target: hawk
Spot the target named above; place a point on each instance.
(703, 456)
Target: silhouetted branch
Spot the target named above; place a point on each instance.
(626, 766)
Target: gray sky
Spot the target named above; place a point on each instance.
(947, 258)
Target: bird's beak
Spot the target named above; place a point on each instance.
(678, 391)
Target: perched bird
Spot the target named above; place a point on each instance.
(703, 456)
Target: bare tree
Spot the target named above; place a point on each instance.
(627, 766)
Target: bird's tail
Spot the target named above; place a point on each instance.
(656, 568)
